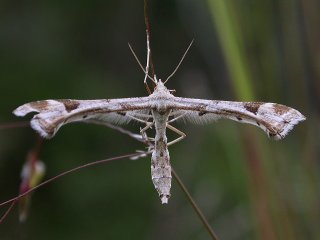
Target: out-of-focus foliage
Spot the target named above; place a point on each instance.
(248, 186)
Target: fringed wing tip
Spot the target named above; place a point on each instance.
(279, 135)
(39, 129)
(24, 110)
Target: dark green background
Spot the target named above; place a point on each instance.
(248, 186)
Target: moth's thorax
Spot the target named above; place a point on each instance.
(161, 97)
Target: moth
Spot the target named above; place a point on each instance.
(159, 110)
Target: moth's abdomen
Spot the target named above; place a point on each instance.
(161, 169)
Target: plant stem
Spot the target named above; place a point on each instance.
(195, 206)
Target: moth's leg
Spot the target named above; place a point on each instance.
(147, 66)
(147, 140)
(176, 118)
(143, 130)
(146, 71)
(182, 134)
(149, 149)
(144, 136)
(148, 125)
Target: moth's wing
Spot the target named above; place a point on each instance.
(52, 114)
(275, 119)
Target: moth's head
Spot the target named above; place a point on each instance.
(160, 87)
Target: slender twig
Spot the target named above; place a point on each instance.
(71, 171)
(195, 206)
(148, 31)
(8, 211)
(14, 125)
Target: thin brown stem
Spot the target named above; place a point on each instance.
(71, 171)
(138, 61)
(8, 211)
(148, 31)
(14, 125)
(195, 206)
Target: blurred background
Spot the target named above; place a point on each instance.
(248, 186)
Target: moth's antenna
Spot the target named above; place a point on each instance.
(138, 61)
(185, 53)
